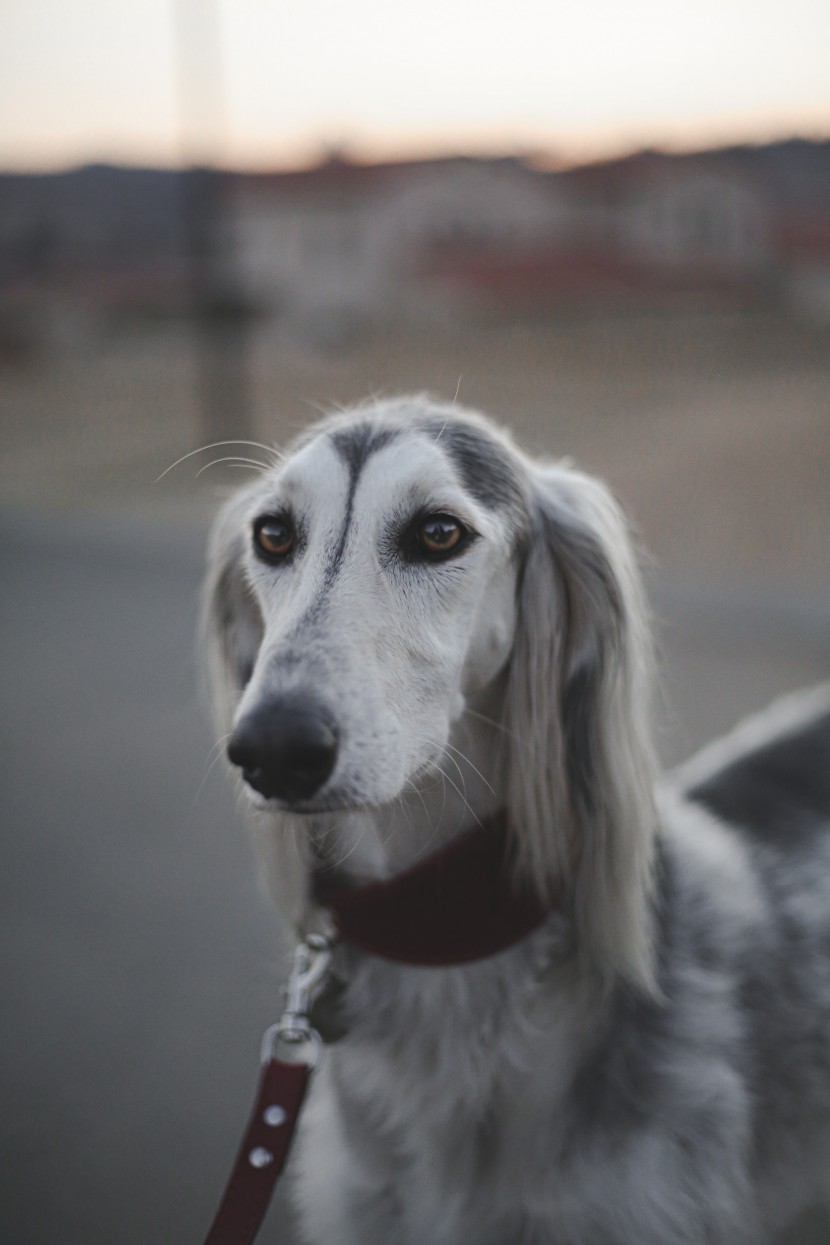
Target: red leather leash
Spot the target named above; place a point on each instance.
(455, 906)
(262, 1153)
(280, 1093)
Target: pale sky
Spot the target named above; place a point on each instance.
(88, 80)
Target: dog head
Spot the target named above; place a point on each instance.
(402, 566)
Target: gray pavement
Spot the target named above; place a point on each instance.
(140, 962)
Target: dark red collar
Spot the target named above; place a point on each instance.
(457, 905)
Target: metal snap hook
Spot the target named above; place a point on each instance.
(293, 1030)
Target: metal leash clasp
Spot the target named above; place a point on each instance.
(294, 1029)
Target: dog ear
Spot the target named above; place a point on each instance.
(231, 622)
(580, 778)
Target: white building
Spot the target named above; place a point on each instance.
(343, 242)
(678, 215)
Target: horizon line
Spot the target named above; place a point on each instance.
(361, 153)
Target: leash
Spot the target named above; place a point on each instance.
(282, 1087)
(453, 907)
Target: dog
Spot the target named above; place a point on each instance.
(415, 630)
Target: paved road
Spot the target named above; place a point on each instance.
(139, 959)
(139, 962)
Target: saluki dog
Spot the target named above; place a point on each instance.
(416, 631)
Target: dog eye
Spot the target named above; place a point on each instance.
(273, 537)
(438, 535)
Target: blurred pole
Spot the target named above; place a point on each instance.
(217, 305)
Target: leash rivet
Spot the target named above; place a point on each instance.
(274, 1116)
(260, 1157)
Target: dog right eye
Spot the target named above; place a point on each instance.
(273, 537)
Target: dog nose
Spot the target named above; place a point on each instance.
(286, 748)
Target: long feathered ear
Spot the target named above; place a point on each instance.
(580, 782)
(231, 622)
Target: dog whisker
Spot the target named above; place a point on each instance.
(499, 726)
(216, 747)
(468, 807)
(461, 777)
(214, 445)
(338, 864)
(213, 757)
(475, 770)
(457, 390)
(236, 461)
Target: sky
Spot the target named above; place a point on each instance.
(264, 83)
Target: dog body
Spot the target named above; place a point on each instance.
(449, 629)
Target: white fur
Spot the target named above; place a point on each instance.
(591, 1086)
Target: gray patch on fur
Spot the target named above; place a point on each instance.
(481, 463)
(781, 791)
(617, 1087)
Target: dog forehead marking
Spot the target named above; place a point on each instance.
(482, 462)
(414, 476)
(482, 465)
(355, 445)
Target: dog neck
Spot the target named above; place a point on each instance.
(457, 905)
(445, 888)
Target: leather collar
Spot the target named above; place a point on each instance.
(455, 906)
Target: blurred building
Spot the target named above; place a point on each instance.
(79, 247)
(682, 224)
(344, 244)
(333, 250)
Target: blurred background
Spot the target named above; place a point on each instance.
(608, 228)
